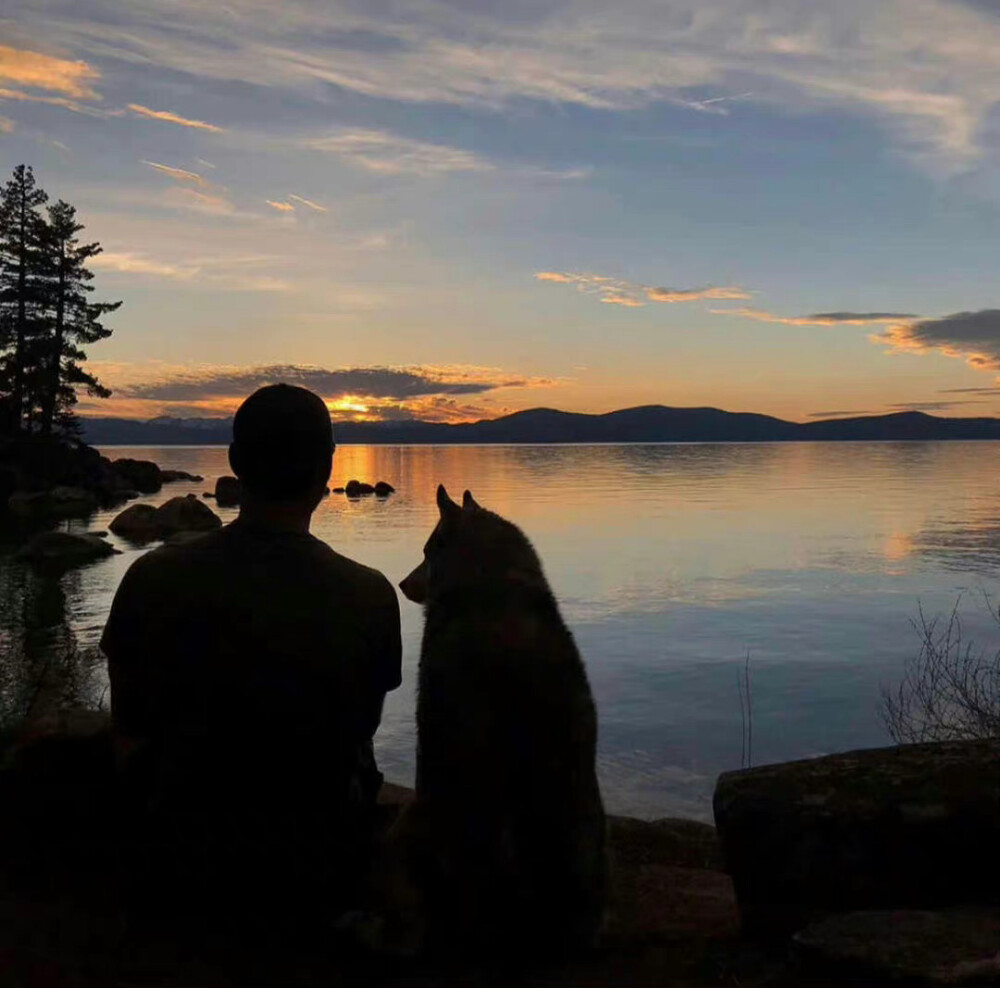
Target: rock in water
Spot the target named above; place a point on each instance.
(64, 549)
(185, 514)
(951, 947)
(169, 476)
(143, 475)
(355, 488)
(60, 502)
(909, 827)
(227, 492)
(143, 522)
(382, 489)
(136, 523)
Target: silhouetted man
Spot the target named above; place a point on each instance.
(248, 668)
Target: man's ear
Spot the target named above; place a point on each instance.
(446, 505)
(469, 502)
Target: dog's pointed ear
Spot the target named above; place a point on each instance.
(446, 505)
(469, 502)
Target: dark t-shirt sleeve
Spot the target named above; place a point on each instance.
(389, 636)
(127, 642)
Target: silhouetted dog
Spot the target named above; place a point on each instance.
(507, 836)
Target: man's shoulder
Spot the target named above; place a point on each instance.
(351, 570)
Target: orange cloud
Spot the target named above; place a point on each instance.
(284, 207)
(970, 336)
(180, 174)
(168, 117)
(38, 71)
(308, 202)
(618, 291)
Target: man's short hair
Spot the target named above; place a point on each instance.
(282, 442)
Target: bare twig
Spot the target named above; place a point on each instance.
(950, 691)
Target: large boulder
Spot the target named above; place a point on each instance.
(950, 947)
(910, 827)
(185, 514)
(136, 523)
(142, 475)
(59, 502)
(64, 549)
(143, 522)
(383, 489)
(227, 492)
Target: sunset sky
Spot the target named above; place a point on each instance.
(457, 208)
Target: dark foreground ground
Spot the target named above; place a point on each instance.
(673, 922)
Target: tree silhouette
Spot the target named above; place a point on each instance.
(72, 319)
(21, 231)
(45, 315)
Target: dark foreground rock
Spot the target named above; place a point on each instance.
(383, 489)
(909, 827)
(673, 914)
(64, 549)
(949, 947)
(144, 523)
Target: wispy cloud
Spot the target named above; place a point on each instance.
(971, 336)
(848, 413)
(617, 291)
(167, 117)
(930, 75)
(179, 174)
(929, 406)
(129, 262)
(389, 154)
(18, 96)
(226, 273)
(817, 318)
(284, 207)
(38, 71)
(315, 206)
(6, 125)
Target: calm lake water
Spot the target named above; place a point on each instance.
(672, 564)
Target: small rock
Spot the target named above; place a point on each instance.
(948, 947)
(64, 549)
(169, 476)
(227, 492)
(337, 490)
(382, 489)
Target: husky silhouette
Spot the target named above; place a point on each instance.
(508, 815)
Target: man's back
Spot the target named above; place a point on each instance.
(248, 669)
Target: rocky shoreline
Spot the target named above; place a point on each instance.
(686, 901)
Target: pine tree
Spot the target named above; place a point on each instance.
(21, 231)
(71, 320)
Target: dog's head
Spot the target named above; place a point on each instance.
(467, 545)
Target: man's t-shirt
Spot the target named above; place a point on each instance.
(248, 670)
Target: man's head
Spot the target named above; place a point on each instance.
(282, 447)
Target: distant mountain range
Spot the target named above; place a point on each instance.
(646, 424)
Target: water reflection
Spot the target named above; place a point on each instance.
(670, 562)
(43, 667)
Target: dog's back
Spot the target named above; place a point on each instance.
(506, 785)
